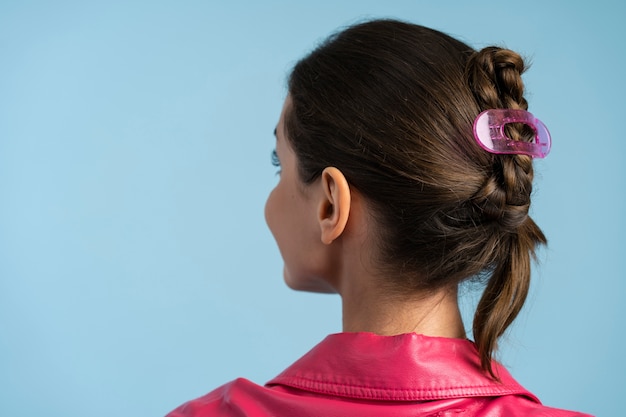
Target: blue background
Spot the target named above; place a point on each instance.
(136, 269)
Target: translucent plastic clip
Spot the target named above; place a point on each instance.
(489, 133)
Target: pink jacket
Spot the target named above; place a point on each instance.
(366, 375)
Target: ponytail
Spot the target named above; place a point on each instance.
(494, 75)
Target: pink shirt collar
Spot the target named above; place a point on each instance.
(406, 367)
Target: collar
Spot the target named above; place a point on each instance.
(406, 367)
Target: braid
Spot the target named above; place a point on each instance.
(494, 76)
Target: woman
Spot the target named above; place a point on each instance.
(406, 168)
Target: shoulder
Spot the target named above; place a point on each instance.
(235, 398)
(514, 405)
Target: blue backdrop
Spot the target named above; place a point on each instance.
(136, 270)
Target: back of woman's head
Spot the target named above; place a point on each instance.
(392, 106)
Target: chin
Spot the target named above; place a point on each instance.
(310, 284)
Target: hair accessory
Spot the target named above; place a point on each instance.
(489, 133)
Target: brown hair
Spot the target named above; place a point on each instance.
(391, 104)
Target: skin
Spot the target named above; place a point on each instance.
(326, 235)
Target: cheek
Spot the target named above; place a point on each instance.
(270, 211)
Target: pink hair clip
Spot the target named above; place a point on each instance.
(489, 133)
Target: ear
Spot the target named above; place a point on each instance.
(334, 208)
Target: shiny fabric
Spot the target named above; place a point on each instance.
(366, 375)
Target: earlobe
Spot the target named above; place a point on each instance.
(334, 209)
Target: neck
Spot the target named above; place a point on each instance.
(431, 314)
(367, 303)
